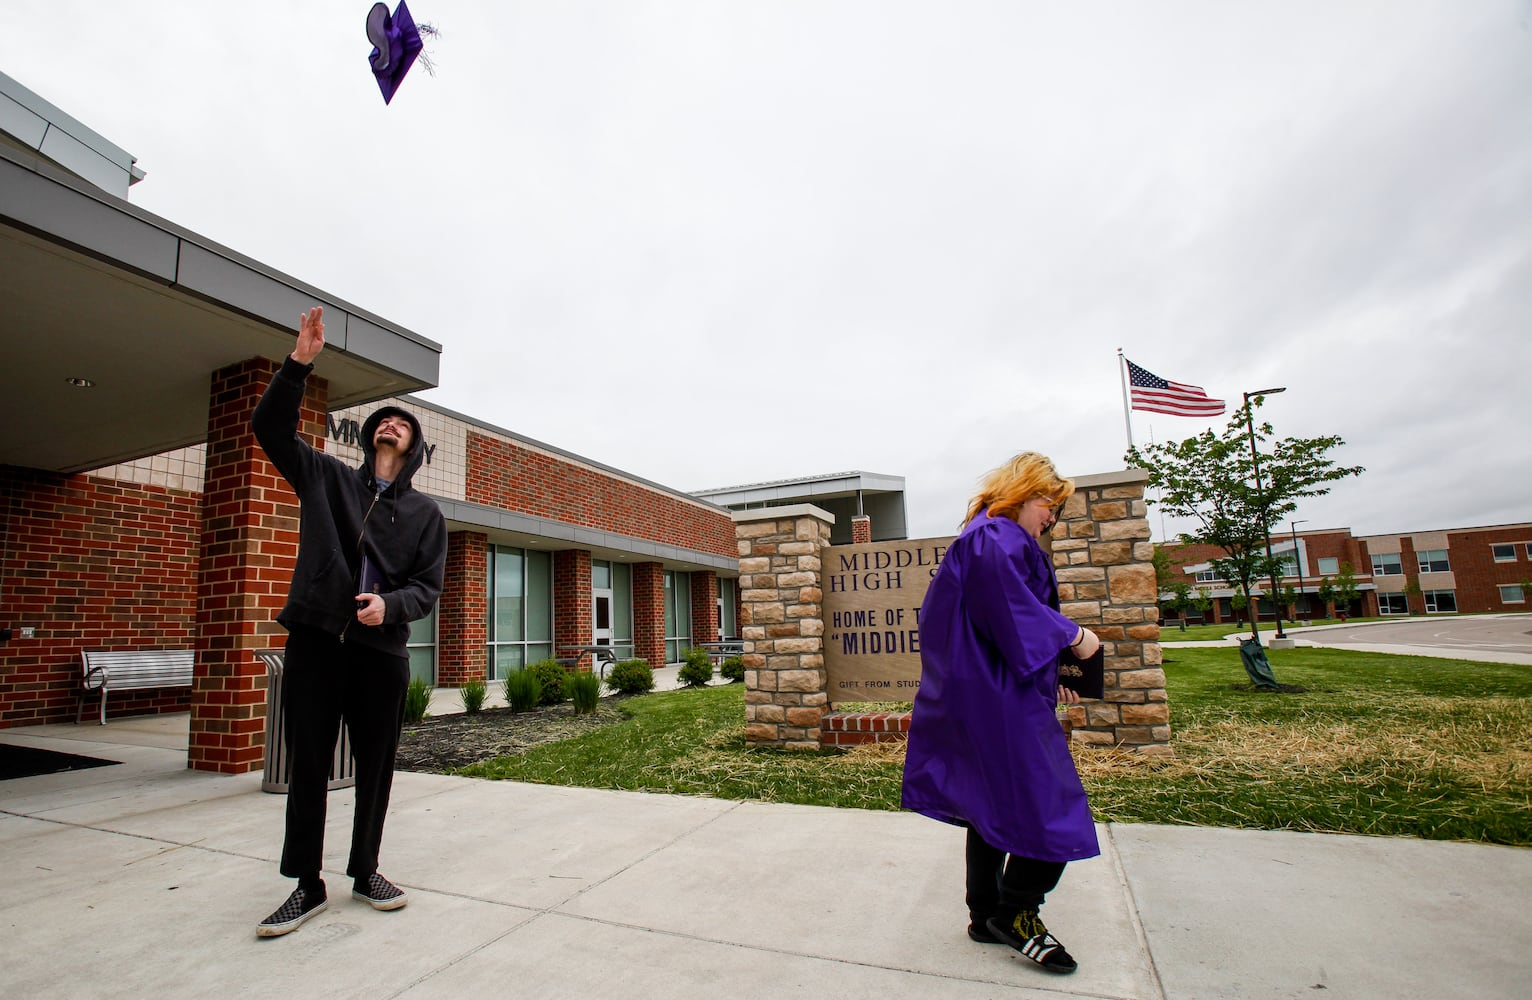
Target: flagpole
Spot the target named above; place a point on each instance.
(1122, 374)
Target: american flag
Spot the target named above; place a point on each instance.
(1157, 395)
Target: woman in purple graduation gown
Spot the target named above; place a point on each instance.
(986, 750)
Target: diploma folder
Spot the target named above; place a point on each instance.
(1085, 677)
(369, 580)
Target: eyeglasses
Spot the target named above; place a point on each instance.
(1055, 507)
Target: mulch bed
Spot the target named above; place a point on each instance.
(443, 744)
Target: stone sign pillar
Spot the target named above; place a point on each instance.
(1104, 564)
(782, 623)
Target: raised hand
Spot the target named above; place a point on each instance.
(310, 336)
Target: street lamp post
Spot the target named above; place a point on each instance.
(1298, 560)
(1260, 490)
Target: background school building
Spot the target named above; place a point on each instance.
(137, 511)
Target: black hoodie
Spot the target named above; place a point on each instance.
(344, 516)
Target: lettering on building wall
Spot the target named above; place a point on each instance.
(872, 598)
(348, 431)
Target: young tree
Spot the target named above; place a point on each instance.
(1211, 480)
(1326, 593)
(1290, 600)
(1181, 600)
(1202, 602)
(1345, 587)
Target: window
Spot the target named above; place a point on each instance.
(520, 592)
(1393, 604)
(1289, 566)
(1433, 560)
(1387, 564)
(1441, 602)
(727, 627)
(421, 648)
(1529, 550)
(1206, 576)
(1511, 593)
(1329, 567)
(678, 615)
(1504, 553)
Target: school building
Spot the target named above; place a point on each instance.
(1442, 571)
(137, 511)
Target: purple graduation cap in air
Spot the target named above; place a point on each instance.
(396, 42)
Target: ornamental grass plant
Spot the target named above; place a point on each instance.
(1376, 744)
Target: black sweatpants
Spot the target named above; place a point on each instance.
(1003, 885)
(325, 682)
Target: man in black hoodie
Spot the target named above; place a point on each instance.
(371, 558)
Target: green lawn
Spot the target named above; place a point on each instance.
(1377, 744)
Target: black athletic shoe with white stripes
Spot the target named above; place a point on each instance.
(301, 905)
(1027, 934)
(379, 892)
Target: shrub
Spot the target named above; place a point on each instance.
(551, 675)
(417, 698)
(732, 669)
(472, 693)
(522, 690)
(697, 670)
(584, 690)
(630, 677)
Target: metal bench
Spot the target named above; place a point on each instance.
(132, 670)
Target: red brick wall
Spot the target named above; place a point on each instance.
(861, 529)
(649, 613)
(704, 589)
(1476, 575)
(90, 564)
(249, 548)
(571, 602)
(848, 729)
(511, 477)
(462, 621)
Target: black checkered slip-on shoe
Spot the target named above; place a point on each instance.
(301, 905)
(379, 893)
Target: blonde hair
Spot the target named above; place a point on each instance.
(1005, 489)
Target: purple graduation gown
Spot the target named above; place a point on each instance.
(985, 748)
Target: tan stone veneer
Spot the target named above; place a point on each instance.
(782, 623)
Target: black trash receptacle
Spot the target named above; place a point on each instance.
(278, 769)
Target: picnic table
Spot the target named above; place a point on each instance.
(723, 649)
(604, 654)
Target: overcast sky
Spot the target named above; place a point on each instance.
(723, 242)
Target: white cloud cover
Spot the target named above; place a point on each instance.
(632, 225)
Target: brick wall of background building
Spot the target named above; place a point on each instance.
(511, 477)
(90, 564)
(462, 618)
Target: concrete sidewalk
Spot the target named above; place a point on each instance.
(147, 879)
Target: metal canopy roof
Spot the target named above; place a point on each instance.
(94, 288)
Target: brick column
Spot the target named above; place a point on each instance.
(649, 613)
(249, 547)
(1106, 583)
(782, 623)
(462, 616)
(861, 529)
(571, 602)
(704, 606)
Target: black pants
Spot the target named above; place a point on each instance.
(1003, 885)
(325, 681)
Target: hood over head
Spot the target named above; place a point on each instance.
(413, 459)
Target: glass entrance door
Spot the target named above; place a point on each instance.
(601, 603)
